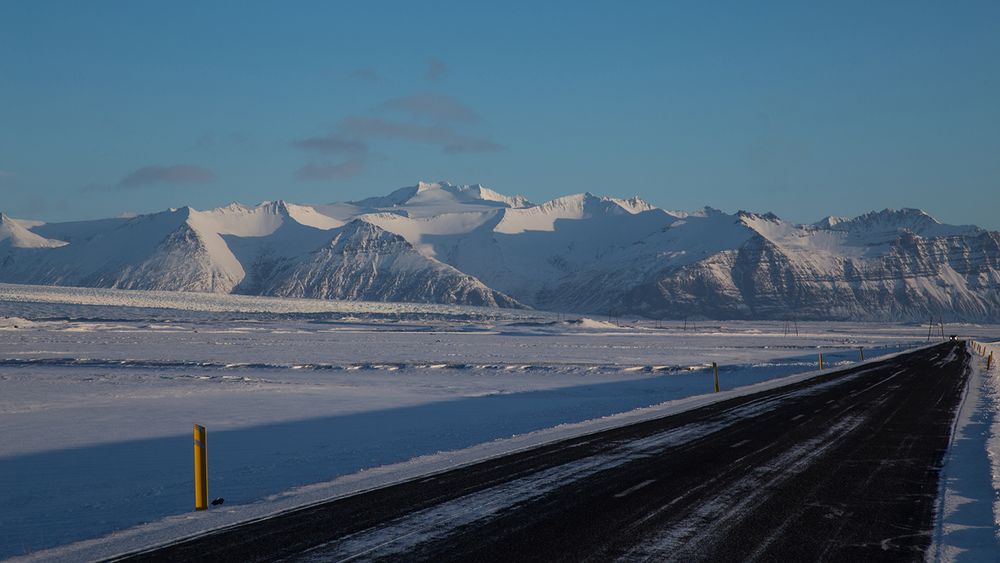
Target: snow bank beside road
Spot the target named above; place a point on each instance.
(968, 515)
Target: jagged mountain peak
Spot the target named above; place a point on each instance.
(750, 217)
(480, 191)
(278, 206)
(569, 201)
(362, 227)
(362, 237)
(588, 202)
(706, 211)
(829, 222)
(887, 220)
(261, 219)
(635, 204)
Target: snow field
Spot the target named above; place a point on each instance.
(97, 413)
(76, 299)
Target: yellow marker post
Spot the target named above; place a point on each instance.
(820, 360)
(715, 369)
(200, 468)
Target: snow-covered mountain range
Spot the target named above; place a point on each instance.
(438, 242)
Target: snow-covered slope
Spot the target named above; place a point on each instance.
(171, 250)
(440, 242)
(899, 265)
(365, 262)
(15, 235)
(429, 199)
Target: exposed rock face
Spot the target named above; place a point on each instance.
(893, 274)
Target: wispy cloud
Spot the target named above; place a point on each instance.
(434, 107)
(438, 135)
(366, 74)
(435, 120)
(325, 172)
(332, 144)
(158, 174)
(6, 174)
(437, 70)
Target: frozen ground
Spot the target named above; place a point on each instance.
(100, 389)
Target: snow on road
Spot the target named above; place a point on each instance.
(97, 399)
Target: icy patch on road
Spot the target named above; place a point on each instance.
(404, 534)
(711, 519)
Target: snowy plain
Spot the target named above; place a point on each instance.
(306, 400)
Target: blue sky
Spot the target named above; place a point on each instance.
(800, 108)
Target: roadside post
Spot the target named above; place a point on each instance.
(821, 360)
(715, 370)
(200, 468)
(861, 350)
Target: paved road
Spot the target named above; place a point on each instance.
(843, 467)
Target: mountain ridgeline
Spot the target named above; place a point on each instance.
(442, 243)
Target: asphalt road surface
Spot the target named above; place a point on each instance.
(842, 467)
